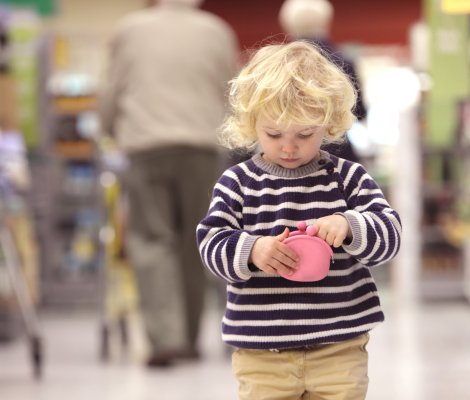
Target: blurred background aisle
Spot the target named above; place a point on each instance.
(63, 200)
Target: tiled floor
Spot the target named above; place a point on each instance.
(421, 352)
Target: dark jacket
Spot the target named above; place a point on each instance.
(345, 149)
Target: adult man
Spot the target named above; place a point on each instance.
(164, 101)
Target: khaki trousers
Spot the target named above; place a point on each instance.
(328, 372)
(169, 191)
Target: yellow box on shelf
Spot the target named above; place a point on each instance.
(75, 149)
(74, 105)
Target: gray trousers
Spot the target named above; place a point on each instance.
(169, 192)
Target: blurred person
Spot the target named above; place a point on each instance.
(8, 93)
(310, 20)
(296, 339)
(163, 102)
(13, 160)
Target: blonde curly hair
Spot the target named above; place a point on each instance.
(290, 83)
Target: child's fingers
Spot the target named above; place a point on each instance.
(338, 241)
(283, 235)
(273, 256)
(269, 270)
(322, 233)
(287, 257)
(280, 267)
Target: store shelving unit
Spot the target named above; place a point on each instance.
(69, 217)
(445, 217)
(441, 261)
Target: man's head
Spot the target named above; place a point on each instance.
(306, 18)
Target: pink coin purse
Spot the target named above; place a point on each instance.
(314, 253)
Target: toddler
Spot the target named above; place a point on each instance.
(296, 340)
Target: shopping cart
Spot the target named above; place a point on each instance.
(119, 294)
(11, 261)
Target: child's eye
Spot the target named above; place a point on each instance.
(273, 135)
(306, 135)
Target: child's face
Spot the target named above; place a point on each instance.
(288, 146)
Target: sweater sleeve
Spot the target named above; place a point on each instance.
(223, 244)
(376, 227)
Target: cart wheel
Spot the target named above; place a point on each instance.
(37, 355)
(104, 343)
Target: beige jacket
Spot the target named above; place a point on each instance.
(167, 80)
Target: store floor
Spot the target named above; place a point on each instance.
(421, 352)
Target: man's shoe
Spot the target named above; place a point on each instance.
(162, 360)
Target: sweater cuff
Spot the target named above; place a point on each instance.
(354, 221)
(243, 269)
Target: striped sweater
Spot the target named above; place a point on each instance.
(256, 198)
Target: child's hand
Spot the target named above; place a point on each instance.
(272, 256)
(333, 229)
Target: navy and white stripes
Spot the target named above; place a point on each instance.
(256, 198)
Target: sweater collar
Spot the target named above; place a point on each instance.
(320, 160)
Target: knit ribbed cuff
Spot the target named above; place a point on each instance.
(354, 221)
(248, 242)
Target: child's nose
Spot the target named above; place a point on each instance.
(289, 146)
